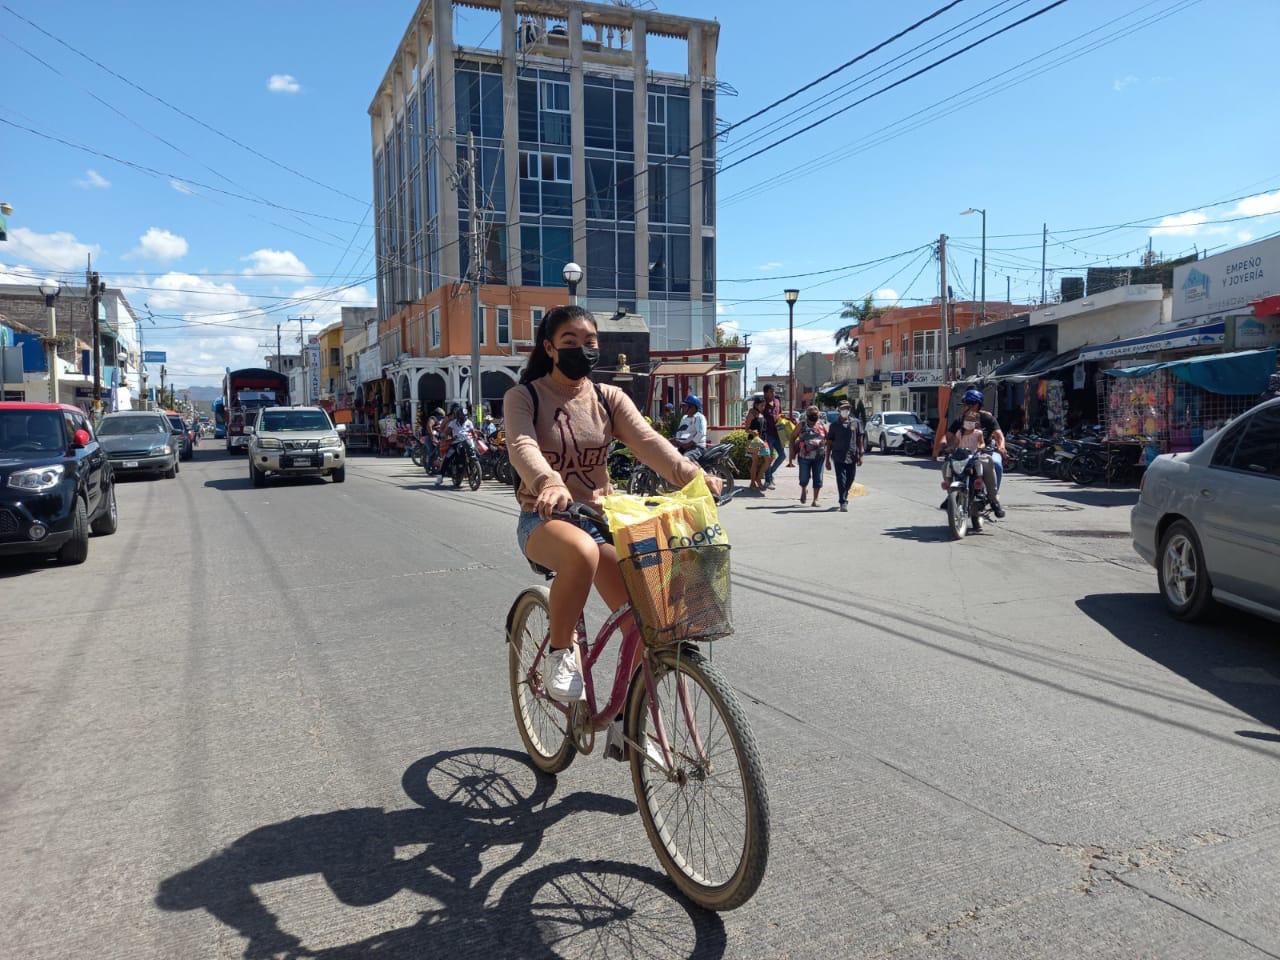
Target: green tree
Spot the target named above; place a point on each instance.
(858, 313)
(724, 339)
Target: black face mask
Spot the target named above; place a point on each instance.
(576, 362)
(812, 418)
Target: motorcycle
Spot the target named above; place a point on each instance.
(916, 444)
(463, 462)
(716, 461)
(967, 500)
(621, 464)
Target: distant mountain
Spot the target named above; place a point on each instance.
(202, 393)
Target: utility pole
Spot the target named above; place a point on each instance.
(474, 272)
(51, 291)
(974, 288)
(279, 359)
(1044, 246)
(95, 305)
(1008, 289)
(946, 331)
(162, 383)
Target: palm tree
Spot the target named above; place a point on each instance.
(859, 313)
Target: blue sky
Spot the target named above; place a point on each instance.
(1178, 114)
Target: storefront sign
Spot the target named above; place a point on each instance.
(916, 378)
(370, 364)
(1226, 281)
(1208, 335)
(895, 378)
(313, 370)
(1254, 333)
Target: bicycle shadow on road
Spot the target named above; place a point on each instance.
(470, 803)
(1232, 655)
(921, 533)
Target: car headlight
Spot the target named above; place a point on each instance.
(268, 443)
(36, 479)
(161, 448)
(333, 440)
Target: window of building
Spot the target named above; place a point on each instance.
(433, 324)
(504, 326)
(657, 108)
(554, 96)
(335, 356)
(535, 320)
(886, 348)
(484, 323)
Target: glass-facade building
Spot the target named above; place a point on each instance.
(643, 226)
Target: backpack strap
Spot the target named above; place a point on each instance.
(533, 399)
(608, 410)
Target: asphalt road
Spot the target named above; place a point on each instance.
(276, 723)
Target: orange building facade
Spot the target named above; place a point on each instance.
(426, 346)
(899, 364)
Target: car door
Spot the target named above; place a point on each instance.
(1239, 503)
(86, 479)
(99, 465)
(873, 429)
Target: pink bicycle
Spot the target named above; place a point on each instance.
(695, 766)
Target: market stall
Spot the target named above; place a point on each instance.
(1173, 406)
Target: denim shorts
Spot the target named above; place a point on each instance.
(530, 521)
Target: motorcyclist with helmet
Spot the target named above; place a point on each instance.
(691, 434)
(458, 429)
(973, 429)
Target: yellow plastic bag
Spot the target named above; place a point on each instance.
(673, 554)
(786, 430)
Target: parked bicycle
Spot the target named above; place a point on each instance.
(695, 766)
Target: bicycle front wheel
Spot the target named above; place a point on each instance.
(707, 815)
(544, 728)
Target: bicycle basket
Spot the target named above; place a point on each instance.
(680, 594)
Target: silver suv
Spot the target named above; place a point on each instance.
(295, 441)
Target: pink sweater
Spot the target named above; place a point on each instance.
(569, 445)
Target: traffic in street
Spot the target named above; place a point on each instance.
(296, 737)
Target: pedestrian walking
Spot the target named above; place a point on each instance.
(757, 446)
(846, 441)
(809, 446)
(772, 412)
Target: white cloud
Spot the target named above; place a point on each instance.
(1122, 83)
(19, 274)
(329, 303)
(274, 263)
(58, 251)
(1244, 236)
(158, 244)
(722, 309)
(1262, 204)
(1181, 225)
(769, 347)
(283, 83)
(885, 295)
(93, 180)
(770, 266)
(182, 187)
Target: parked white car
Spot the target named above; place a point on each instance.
(1209, 520)
(888, 430)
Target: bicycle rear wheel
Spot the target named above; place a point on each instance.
(707, 817)
(543, 727)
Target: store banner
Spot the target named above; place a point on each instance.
(1227, 280)
(1207, 335)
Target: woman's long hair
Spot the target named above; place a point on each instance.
(540, 362)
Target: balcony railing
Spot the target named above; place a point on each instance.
(926, 361)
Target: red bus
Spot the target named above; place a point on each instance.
(244, 391)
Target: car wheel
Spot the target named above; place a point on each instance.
(340, 475)
(76, 550)
(105, 523)
(172, 471)
(884, 446)
(1183, 577)
(256, 476)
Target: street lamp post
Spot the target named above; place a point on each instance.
(983, 315)
(572, 275)
(792, 296)
(51, 289)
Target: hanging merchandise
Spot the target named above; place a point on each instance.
(1055, 404)
(1077, 377)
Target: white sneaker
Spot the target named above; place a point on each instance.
(561, 675)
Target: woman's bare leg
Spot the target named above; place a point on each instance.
(575, 556)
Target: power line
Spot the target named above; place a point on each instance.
(194, 119)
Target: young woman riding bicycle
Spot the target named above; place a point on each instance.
(559, 426)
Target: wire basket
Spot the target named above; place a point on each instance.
(680, 594)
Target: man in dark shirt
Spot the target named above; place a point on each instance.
(845, 443)
(772, 411)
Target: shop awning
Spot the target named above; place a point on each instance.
(829, 392)
(1018, 364)
(1205, 335)
(684, 369)
(1237, 374)
(1033, 366)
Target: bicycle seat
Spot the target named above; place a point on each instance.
(541, 570)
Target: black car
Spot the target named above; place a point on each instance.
(56, 484)
(181, 435)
